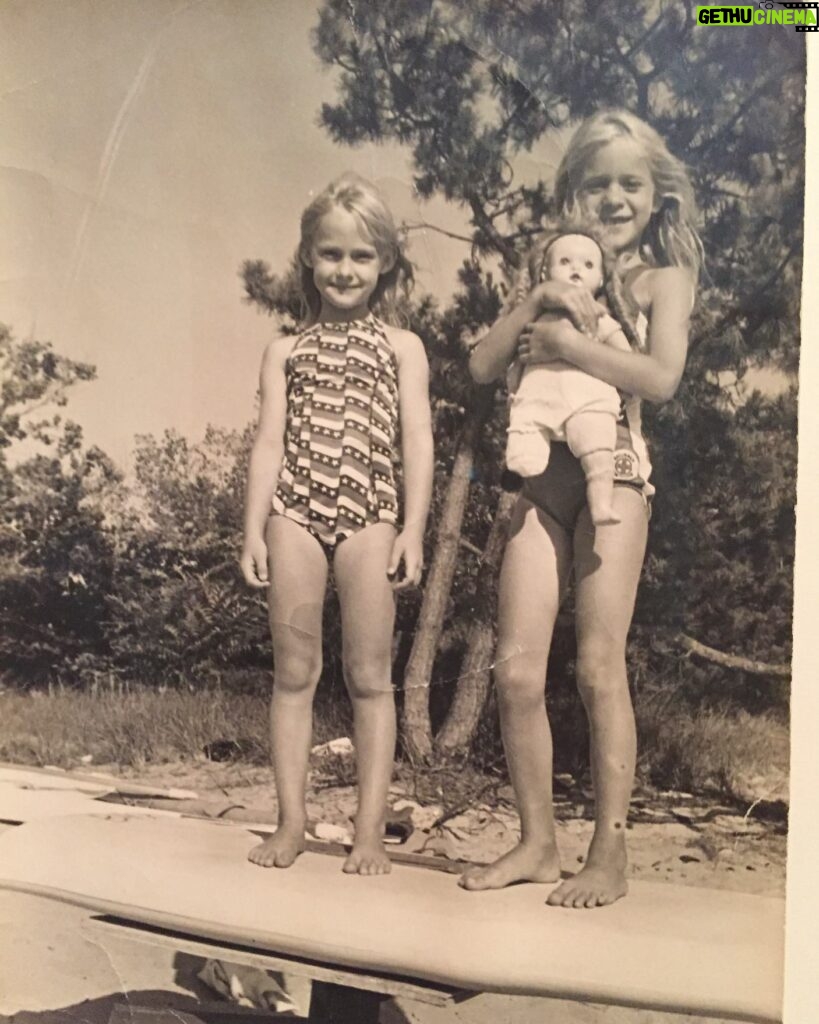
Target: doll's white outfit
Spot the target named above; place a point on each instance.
(556, 401)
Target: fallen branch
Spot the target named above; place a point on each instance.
(463, 805)
(735, 661)
(732, 661)
(469, 546)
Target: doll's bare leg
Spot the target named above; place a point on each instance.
(598, 468)
(527, 451)
(591, 437)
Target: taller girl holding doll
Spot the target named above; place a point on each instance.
(619, 176)
(335, 400)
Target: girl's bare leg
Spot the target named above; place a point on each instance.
(367, 618)
(298, 578)
(535, 568)
(608, 564)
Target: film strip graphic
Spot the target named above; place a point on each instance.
(797, 7)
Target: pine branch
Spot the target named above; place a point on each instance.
(425, 225)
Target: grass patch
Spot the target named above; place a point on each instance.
(130, 729)
(138, 725)
(727, 752)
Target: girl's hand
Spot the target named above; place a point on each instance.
(543, 342)
(409, 549)
(254, 563)
(577, 303)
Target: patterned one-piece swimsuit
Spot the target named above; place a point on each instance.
(337, 472)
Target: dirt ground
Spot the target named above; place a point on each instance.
(56, 970)
(673, 837)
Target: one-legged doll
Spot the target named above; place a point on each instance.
(557, 401)
(321, 490)
(620, 174)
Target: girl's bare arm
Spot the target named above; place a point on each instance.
(667, 293)
(492, 355)
(416, 450)
(495, 351)
(265, 459)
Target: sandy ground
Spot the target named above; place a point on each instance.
(56, 968)
(672, 837)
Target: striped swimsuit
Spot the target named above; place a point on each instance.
(337, 473)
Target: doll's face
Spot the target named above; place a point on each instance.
(576, 259)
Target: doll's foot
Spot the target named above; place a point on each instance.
(604, 515)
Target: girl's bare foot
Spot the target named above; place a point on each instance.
(591, 887)
(601, 882)
(280, 850)
(367, 857)
(527, 862)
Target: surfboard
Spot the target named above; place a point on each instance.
(19, 804)
(86, 782)
(26, 777)
(28, 794)
(664, 947)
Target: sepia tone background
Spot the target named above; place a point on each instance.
(152, 148)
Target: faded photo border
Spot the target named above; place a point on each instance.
(802, 943)
(802, 953)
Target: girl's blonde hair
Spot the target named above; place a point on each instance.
(362, 199)
(671, 237)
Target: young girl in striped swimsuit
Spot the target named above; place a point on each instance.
(321, 489)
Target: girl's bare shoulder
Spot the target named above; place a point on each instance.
(278, 349)
(663, 284)
(405, 344)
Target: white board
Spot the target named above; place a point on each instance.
(666, 947)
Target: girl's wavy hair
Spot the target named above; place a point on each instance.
(671, 237)
(362, 199)
(621, 309)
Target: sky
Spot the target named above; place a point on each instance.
(149, 147)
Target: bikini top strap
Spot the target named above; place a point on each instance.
(633, 273)
(628, 279)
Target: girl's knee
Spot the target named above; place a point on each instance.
(297, 673)
(601, 673)
(519, 686)
(368, 678)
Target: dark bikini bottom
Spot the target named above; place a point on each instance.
(560, 490)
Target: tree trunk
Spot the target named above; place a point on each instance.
(417, 728)
(458, 730)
